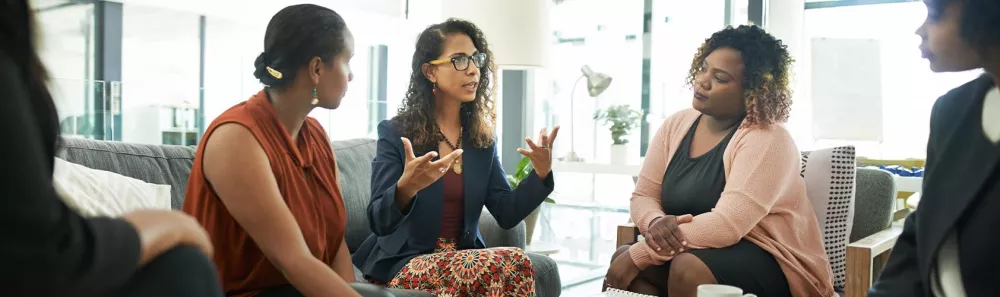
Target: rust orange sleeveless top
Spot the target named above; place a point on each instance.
(307, 179)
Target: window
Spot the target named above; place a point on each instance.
(909, 88)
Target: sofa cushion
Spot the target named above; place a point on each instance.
(158, 164)
(354, 171)
(829, 175)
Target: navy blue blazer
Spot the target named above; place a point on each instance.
(961, 193)
(402, 235)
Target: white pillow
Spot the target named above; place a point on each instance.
(93, 192)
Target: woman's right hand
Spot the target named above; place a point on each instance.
(418, 173)
(161, 230)
(664, 236)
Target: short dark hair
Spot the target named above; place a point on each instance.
(766, 72)
(979, 24)
(295, 35)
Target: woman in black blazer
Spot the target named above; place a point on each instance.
(425, 210)
(48, 249)
(948, 247)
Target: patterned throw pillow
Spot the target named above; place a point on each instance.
(829, 175)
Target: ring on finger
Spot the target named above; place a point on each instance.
(443, 170)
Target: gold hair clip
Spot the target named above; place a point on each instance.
(275, 73)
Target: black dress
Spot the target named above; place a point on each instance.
(693, 186)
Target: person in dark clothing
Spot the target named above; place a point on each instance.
(48, 249)
(947, 247)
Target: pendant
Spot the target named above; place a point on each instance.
(457, 167)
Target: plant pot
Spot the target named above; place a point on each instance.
(619, 154)
(529, 224)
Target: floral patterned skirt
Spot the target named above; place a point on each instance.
(448, 272)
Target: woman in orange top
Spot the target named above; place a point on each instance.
(264, 181)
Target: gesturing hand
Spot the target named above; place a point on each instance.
(418, 173)
(541, 154)
(664, 236)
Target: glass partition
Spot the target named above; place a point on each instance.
(83, 107)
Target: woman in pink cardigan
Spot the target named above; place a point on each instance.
(720, 198)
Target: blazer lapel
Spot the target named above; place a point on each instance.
(430, 206)
(476, 163)
(964, 164)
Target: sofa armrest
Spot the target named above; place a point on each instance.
(866, 257)
(494, 236)
(627, 234)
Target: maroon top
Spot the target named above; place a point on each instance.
(453, 212)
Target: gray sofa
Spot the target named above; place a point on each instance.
(170, 165)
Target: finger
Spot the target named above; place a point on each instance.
(408, 148)
(675, 237)
(423, 160)
(525, 152)
(684, 219)
(448, 159)
(542, 134)
(662, 243)
(531, 144)
(552, 135)
(652, 242)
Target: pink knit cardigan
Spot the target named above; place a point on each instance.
(764, 201)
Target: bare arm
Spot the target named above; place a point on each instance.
(239, 171)
(342, 263)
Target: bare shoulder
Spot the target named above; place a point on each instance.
(230, 147)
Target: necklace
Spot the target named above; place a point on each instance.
(457, 167)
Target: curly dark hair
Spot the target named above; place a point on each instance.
(978, 23)
(767, 67)
(415, 117)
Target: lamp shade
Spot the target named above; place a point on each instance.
(597, 82)
(517, 30)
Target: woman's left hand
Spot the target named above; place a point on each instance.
(540, 154)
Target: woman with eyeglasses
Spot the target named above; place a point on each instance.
(435, 168)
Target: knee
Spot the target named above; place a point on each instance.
(687, 271)
(621, 250)
(185, 261)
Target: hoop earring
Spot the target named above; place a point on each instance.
(315, 97)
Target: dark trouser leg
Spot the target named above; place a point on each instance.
(366, 290)
(179, 272)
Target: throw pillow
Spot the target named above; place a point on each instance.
(93, 192)
(829, 175)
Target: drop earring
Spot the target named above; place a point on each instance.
(315, 98)
(434, 88)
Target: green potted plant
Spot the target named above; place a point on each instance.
(620, 119)
(521, 173)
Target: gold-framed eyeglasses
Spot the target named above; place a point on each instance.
(461, 63)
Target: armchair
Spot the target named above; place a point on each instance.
(854, 207)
